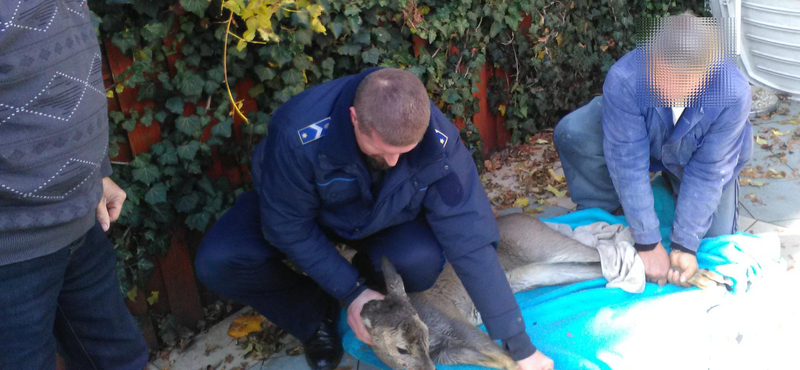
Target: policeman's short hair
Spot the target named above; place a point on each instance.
(394, 103)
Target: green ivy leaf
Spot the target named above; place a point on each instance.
(349, 49)
(264, 73)
(371, 56)
(175, 105)
(195, 6)
(129, 124)
(292, 77)
(117, 116)
(188, 125)
(189, 83)
(147, 175)
(222, 129)
(198, 221)
(351, 10)
(160, 116)
(169, 157)
(156, 194)
(188, 151)
(187, 203)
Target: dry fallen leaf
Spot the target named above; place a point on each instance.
(760, 141)
(245, 325)
(296, 351)
(521, 202)
(556, 192)
(775, 174)
(559, 178)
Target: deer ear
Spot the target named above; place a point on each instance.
(394, 283)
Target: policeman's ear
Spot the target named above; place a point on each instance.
(353, 116)
(394, 283)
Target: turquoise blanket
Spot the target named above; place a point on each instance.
(588, 326)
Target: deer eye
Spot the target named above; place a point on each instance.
(402, 351)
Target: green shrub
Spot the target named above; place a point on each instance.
(553, 66)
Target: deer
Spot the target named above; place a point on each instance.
(415, 331)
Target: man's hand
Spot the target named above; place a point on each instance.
(684, 265)
(656, 264)
(354, 314)
(537, 361)
(110, 204)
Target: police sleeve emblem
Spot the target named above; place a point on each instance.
(441, 137)
(314, 131)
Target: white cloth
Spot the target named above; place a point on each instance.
(621, 265)
(676, 114)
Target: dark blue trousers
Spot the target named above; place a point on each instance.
(236, 261)
(70, 299)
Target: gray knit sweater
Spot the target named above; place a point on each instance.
(53, 126)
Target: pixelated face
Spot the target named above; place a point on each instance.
(679, 58)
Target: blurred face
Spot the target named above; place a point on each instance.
(674, 85)
(380, 156)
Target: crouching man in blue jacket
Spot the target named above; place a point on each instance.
(368, 161)
(657, 113)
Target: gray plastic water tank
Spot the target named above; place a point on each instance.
(769, 40)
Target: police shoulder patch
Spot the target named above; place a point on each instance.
(441, 137)
(314, 131)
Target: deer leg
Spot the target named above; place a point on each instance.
(534, 275)
(525, 240)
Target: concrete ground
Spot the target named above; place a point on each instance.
(767, 205)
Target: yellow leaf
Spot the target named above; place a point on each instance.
(760, 141)
(317, 26)
(521, 202)
(558, 40)
(119, 88)
(153, 299)
(424, 9)
(315, 11)
(304, 76)
(778, 133)
(249, 35)
(132, 293)
(556, 192)
(245, 325)
(502, 109)
(541, 55)
(110, 93)
(241, 45)
(559, 178)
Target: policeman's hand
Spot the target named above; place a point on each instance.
(684, 265)
(354, 314)
(110, 204)
(537, 361)
(656, 264)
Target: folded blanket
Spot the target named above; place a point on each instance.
(622, 266)
(588, 325)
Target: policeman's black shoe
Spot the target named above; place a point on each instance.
(324, 349)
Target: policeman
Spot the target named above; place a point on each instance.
(673, 106)
(368, 161)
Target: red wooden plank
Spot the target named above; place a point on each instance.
(180, 283)
(503, 135)
(156, 284)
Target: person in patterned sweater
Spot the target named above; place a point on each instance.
(58, 280)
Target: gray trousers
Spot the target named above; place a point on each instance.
(579, 140)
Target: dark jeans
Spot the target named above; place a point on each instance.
(237, 262)
(70, 299)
